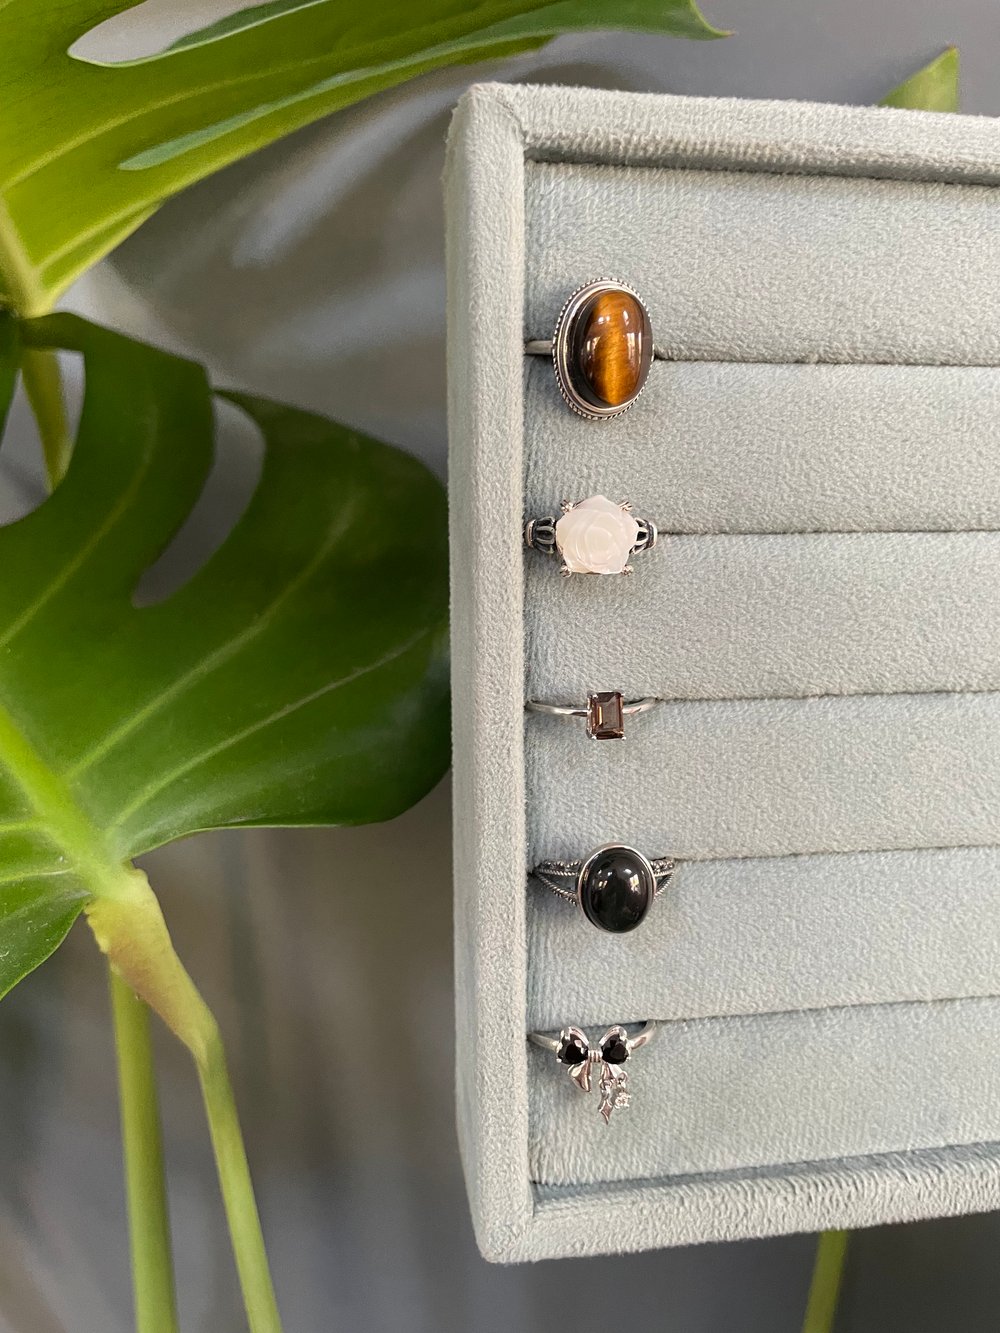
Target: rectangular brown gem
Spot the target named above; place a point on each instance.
(605, 716)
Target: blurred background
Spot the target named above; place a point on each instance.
(314, 273)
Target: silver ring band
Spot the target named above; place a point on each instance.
(643, 1037)
(605, 712)
(544, 346)
(629, 706)
(610, 1055)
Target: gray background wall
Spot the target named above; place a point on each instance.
(314, 273)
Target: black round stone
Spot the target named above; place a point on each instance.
(571, 1052)
(617, 889)
(613, 1049)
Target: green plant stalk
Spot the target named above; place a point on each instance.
(129, 927)
(237, 1191)
(142, 1150)
(821, 1308)
(43, 385)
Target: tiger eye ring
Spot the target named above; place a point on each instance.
(601, 349)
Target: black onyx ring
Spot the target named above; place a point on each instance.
(605, 712)
(592, 536)
(614, 886)
(612, 1052)
(601, 349)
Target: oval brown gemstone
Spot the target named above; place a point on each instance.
(612, 348)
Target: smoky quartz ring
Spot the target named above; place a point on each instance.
(592, 536)
(601, 349)
(610, 1054)
(614, 887)
(604, 712)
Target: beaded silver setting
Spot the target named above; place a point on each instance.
(574, 348)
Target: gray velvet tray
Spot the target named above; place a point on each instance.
(822, 454)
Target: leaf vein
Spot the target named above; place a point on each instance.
(160, 104)
(224, 653)
(72, 566)
(29, 877)
(349, 71)
(153, 789)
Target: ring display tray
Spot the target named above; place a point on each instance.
(820, 618)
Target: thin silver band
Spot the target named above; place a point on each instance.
(642, 1038)
(543, 347)
(629, 708)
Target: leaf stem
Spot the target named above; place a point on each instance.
(142, 1148)
(237, 1191)
(129, 927)
(821, 1309)
(43, 385)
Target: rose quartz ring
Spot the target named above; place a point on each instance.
(593, 536)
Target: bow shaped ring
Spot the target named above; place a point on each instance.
(612, 1052)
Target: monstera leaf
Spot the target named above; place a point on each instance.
(298, 678)
(88, 151)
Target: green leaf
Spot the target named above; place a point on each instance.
(299, 677)
(88, 151)
(933, 88)
(8, 364)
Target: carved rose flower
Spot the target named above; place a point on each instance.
(596, 536)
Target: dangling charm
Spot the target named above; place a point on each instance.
(614, 1091)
